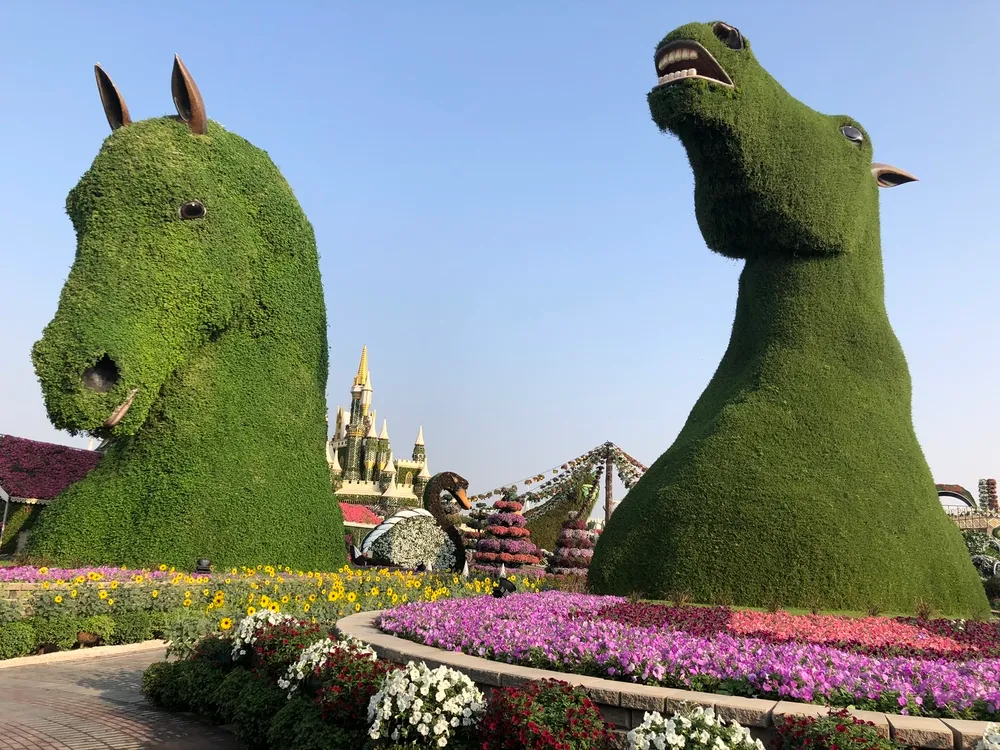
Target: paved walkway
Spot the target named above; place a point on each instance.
(94, 704)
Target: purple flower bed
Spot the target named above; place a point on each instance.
(555, 630)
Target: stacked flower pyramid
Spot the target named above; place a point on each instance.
(574, 548)
(506, 541)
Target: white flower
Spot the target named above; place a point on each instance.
(698, 727)
(414, 541)
(251, 626)
(316, 654)
(400, 711)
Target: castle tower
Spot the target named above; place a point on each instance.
(387, 474)
(420, 482)
(370, 450)
(356, 423)
(383, 446)
(419, 454)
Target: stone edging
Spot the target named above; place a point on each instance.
(623, 704)
(82, 654)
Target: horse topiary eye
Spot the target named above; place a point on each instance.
(193, 210)
(728, 35)
(852, 134)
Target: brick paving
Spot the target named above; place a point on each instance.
(94, 704)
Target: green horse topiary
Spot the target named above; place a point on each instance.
(798, 478)
(192, 333)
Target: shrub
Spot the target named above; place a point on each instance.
(414, 541)
(16, 639)
(132, 627)
(276, 646)
(255, 705)
(161, 686)
(11, 610)
(300, 725)
(698, 729)
(424, 704)
(102, 626)
(316, 657)
(542, 714)
(346, 682)
(183, 629)
(56, 632)
(992, 586)
(838, 730)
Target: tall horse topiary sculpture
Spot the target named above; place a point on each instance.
(798, 478)
(192, 333)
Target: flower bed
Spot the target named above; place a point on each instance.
(574, 633)
(137, 605)
(282, 683)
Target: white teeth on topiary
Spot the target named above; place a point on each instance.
(677, 75)
(676, 56)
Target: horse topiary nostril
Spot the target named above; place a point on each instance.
(103, 376)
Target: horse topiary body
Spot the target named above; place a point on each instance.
(192, 332)
(798, 478)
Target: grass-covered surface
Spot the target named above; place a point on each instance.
(797, 478)
(211, 323)
(903, 665)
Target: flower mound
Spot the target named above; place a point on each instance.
(698, 729)
(876, 636)
(565, 632)
(424, 705)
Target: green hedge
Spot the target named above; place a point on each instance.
(220, 324)
(798, 478)
(22, 517)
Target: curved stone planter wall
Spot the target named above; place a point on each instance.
(623, 704)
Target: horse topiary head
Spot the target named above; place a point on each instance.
(176, 243)
(771, 174)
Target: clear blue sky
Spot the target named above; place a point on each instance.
(497, 216)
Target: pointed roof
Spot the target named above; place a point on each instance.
(371, 431)
(362, 377)
(390, 465)
(384, 435)
(424, 474)
(332, 459)
(420, 436)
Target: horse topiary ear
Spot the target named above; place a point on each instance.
(887, 175)
(112, 100)
(187, 98)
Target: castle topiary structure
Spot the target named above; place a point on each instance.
(797, 477)
(191, 333)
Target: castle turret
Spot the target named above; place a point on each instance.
(420, 482)
(419, 454)
(370, 450)
(383, 445)
(387, 474)
(356, 423)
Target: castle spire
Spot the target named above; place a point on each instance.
(361, 378)
(384, 435)
(420, 436)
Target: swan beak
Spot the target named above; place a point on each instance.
(462, 498)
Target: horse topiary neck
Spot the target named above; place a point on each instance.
(810, 302)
